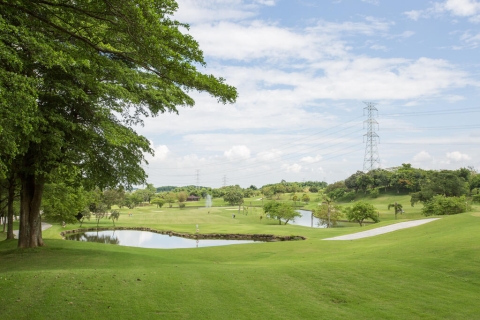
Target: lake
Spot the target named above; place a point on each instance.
(147, 239)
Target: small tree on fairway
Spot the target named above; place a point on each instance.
(279, 211)
(234, 196)
(305, 198)
(86, 214)
(328, 214)
(295, 199)
(170, 198)
(182, 196)
(361, 211)
(114, 215)
(158, 201)
(100, 212)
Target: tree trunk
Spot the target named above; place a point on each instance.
(30, 234)
(11, 198)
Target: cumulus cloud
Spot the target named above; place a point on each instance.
(458, 156)
(295, 168)
(422, 156)
(462, 8)
(161, 153)
(457, 8)
(237, 152)
(310, 159)
(269, 155)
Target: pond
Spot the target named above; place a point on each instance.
(306, 220)
(147, 239)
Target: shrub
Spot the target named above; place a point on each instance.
(349, 196)
(440, 205)
(374, 193)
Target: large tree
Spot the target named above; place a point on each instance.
(84, 73)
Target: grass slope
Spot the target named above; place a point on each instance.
(429, 272)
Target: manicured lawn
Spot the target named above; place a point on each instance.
(429, 272)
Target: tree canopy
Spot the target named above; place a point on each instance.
(280, 211)
(76, 77)
(361, 211)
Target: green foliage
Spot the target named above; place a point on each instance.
(398, 208)
(234, 196)
(280, 211)
(447, 183)
(476, 198)
(440, 205)
(361, 211)
(305, 198)
(62, 200)
(328, 214)
(373, 193)
(132, 200)
(170, 198)
(182, 196)
(114, 215)
(159, 202)
(165, 188)
(348, 196)
(181, 205)
(113, 197)
(77, 77)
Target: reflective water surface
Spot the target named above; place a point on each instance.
(146, 239)
(306, 220)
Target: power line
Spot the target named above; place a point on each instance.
(430, 113)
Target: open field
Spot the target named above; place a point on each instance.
(430, 272)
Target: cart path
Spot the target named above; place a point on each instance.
(45, 226)
(382, 230)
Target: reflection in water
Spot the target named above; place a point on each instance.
(146, 239)
(307, 221)
(100, 238)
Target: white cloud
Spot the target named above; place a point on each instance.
(198, 11)
(470, 40)
(378, 47)
(261, 40)
(457, 8)
(310, 159)
(269, 155)
(375, 2)
(161, 153)
(237, 152)
(422, 156)
(462, 8)
(295, 168)
(414, 14)
(458, 156)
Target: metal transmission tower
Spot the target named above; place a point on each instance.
(372, 159)
(198, 178)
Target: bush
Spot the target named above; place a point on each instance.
(476, 198)
(349, 196)
(440, 205)
(374, 193)
(181, 205)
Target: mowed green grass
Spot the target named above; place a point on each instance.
(426, 272)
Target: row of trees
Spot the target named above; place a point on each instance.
(422, 184)
(327, 212)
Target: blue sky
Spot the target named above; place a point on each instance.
(303, 70)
